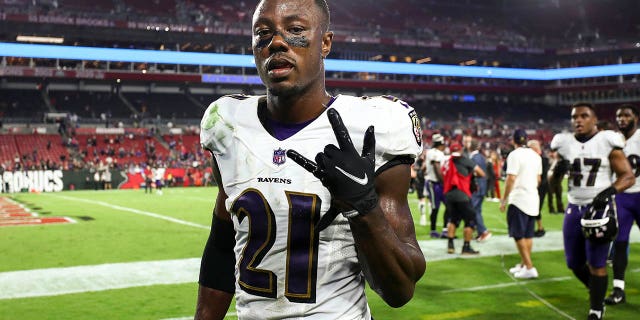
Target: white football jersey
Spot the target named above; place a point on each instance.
(434, 155)
(590, 170)
(285, 266)
(632, 152)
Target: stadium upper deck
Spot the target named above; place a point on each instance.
(504, 33)
(536, 34)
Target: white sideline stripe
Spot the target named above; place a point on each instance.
(436, 250)
(136, 211)
(59, 281)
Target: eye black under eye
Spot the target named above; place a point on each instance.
(263, 32)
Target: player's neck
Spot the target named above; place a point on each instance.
(585, 137)
(297, 108)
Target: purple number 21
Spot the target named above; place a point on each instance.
(302, 245)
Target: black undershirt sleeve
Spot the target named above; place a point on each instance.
(403, 159)
(218, 260)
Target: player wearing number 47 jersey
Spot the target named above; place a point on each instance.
(312, 188)
(628, 203)
(593, 156)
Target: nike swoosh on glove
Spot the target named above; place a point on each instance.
(601, 200)
(349, 176)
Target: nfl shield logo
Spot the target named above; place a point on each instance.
(279, 156)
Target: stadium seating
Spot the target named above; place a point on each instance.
(8, 150)
(32, 149)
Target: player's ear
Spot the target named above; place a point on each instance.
(327, 39)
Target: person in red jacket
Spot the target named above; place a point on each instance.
(457, 172)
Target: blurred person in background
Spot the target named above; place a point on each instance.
(477, 197)
(435, 158)
(627, 203)
(457, 172)
(555, 176)
(524, 168)
(419, 167)
(543, 186)
(493, 184)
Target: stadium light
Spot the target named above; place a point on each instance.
(39, 39)
(246, 61)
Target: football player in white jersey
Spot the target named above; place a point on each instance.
(295, 238)
(435, 160)
(627, 203)
(593, 156)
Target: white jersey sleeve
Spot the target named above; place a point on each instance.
(216, 129)
(396, 125)
(590, 169)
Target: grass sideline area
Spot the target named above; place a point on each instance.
(116, 229)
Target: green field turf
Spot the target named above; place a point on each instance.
(131, 226)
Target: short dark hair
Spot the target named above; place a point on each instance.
(586, 105)
(475, 144)
(324, 6)
(631, 107)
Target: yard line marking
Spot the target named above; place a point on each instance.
(548, 304)
(453, 315)
(136, 211)
(533, 294)
(519, 283)
(506, 284)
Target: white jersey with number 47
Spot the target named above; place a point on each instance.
(294, 258)
(590, 169)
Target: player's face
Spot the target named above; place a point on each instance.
(625, 119)
(289, 42)
(584, 121)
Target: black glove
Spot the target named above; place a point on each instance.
(601, 200)
(349, 176)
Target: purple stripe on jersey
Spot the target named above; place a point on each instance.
(577, 249)
(283, 131)
(628, 205)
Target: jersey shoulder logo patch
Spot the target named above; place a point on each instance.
(417, 129)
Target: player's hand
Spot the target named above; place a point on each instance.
(349, 176)
(601, 200)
